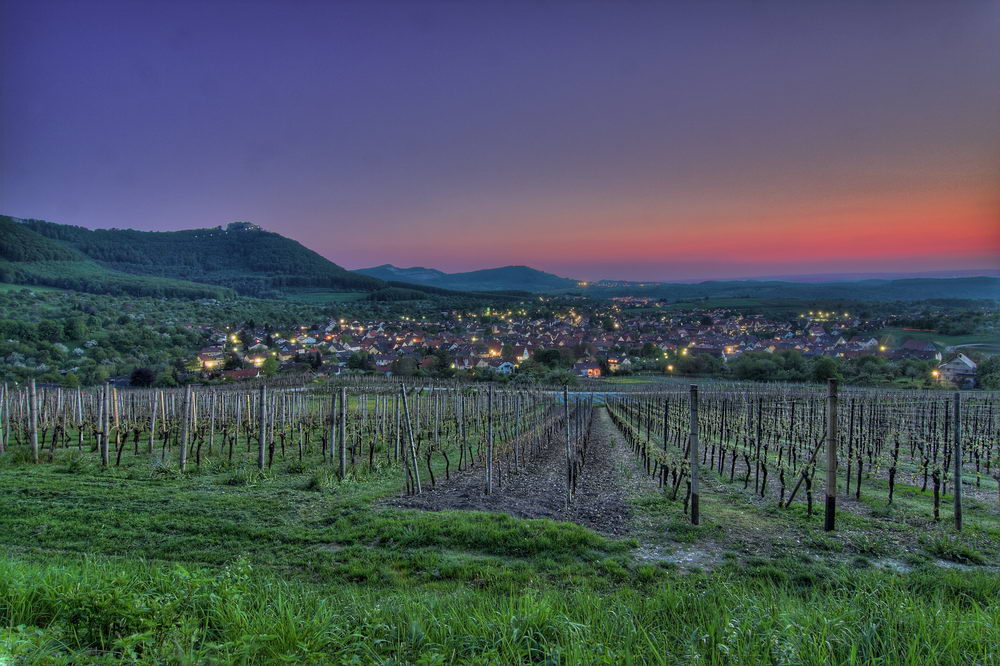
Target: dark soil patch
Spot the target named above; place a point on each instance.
(538, 490)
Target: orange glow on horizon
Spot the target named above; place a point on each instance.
(936, 231)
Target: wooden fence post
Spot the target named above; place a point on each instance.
(695, 516)
(830, 518)
(957, 455)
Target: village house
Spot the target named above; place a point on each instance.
(587, 369)
(918, 349)
(960, 371)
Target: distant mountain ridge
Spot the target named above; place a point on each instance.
(909, 289)
(505, 278)
(414, 274)
(854, 277)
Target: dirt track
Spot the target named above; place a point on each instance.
(538, 490)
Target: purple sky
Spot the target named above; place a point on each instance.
(641, 140)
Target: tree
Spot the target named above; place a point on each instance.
(233, 362)
(270, 367)
(700, 364)
(755, 366)
(869, 369)
(826, 368)
(404, 367)
(649, 350)
(166, 379)
(50, 330)
(359, 361)
(549, 357)
(142, 377)
(74, 328)
(988, 373)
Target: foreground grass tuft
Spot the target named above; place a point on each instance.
(95, 610)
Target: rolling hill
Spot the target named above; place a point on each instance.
(241, 257)
(506, 278)
(30, 258)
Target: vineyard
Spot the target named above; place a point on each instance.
(777, 440)
(837, 500)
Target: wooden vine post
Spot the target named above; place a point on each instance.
(105, 423)
(695, 517)
(489, 440)
(333, 425)
(33, 419)
(830, 517)
(413, 445)
(957, 456)
(342, 451)
(152, 422)
(262, 431)
(185, 427)
(569, 449)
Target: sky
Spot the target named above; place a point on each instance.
(597, 140)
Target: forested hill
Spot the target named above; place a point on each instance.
(29, 258)
(241, 256)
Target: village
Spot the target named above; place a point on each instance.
(588, 345)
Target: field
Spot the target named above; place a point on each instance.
(227, 562)
(7, 287)
(982, 342)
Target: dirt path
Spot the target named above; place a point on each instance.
(539, 490)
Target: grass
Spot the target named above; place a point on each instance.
(86, 275)
(942, 341)
(953, 549)
(629, 380)
(224, 564)
(95, 610)
(298, 519)
(8, 287)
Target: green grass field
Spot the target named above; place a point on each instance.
(984, 342)
(222, 564)
(8, 287)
